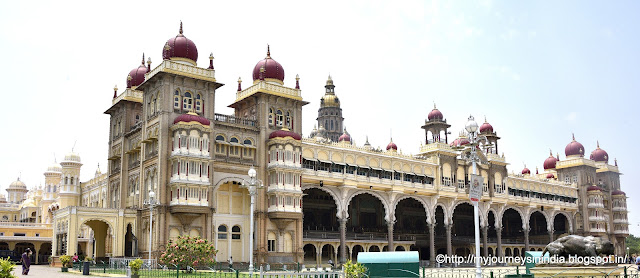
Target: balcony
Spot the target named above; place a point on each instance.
(595, 205)
(620, 221)
(621, 232)
(619, 209)
(220, 118)
(596, 218)
(598, 230)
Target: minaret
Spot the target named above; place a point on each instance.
(17, 191)
(330, 113)
(69, 183)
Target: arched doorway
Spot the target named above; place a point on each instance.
(374, 248)
(328, 253)
(102, 241)
(44, 252)
(399, 248)
(309, 254)
(461, 235)
(560, 225)
(492, 236)
(440, 231)
(356, 249)
(21, 246)
(366, 214)
(512, 232)
(319, 211)
(411, 222)
(538, 233)
(231, 220)
(130, 243)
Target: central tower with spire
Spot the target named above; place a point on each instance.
(330, 113)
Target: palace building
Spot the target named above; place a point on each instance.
(323, 197)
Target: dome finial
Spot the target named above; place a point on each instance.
(615, 161)
(115, 95)
(598, 144)
(211, 60)
(550, 153)
(297, 82)
(239, 84)
(142, 63)
(268, 51)
(434, 105)
(149, 64)
(485, 118)
(573, 136)
(180, 27)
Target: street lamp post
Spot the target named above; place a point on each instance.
(151, 202)
(252, 185)
(471, 127)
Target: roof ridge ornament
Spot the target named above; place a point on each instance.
(268, 52)
(180, 27)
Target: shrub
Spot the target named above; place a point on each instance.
(189, 251)
(65, 259)
(6, 267)
(135, 265)
(356, 270)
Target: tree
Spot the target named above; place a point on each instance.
(633, 243)
(356, 270)
(188, 251)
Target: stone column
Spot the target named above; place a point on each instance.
(449, 249)
(485, 245)
(526, 240)
(432, 244)
(499, 244)
(550, 236)
(343, 240)
(390, 247)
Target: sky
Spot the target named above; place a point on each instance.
(537, 70)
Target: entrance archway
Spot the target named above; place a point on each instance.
(512, 227)
(101, 230)
(440, 231)
(356, 249)
(538, 233)
(44, 252)
(366, 214)
(319, 211)
(309, 254)
(560, 225)
(130, 243)
(462, 235)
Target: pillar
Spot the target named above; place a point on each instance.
(343, 239)
(499, 244)
(526, 240)
(449, 249)
(485, 245)
(318, 255)
(432, 244)
(550, 236)
(390, 247)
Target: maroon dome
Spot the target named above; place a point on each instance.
(460, 141)
(550, 176)
(550, 162)
(392, 145)
(344, 137)
(282, 133)
(574, 148)
(526, 171)
(137, 75)
(594, 188)
(618, 192)
(435, 114)
(272, 69)
(180, 47)
(191, 117)
(599, 155)
(486, 127)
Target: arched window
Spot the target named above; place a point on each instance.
(270, 116)
(235, 232)
(235, 147)
(176, 100)
(187, 102)
(248, 148)
(271, 242)
(222, 232)
(221, 145)
(279, 118)
(198, 103)
(287, 120)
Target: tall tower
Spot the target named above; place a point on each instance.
(51, 183)
(70, 180)
(330, 113)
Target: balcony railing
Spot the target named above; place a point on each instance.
(234, 120)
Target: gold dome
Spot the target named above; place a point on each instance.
(28, 203)
(329, 100)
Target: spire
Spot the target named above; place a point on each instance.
(558, 156)
(598, 144)
(268, 52)
(573, 136)
(485, 118)
(239, 82)
(180, 27)
(149, 64)
(550, 153)
(211, 60)
(615, 161)
(434, 105)
(298, 82)
(366, 143)
(115, 95)
(142, 59)
(537, 170)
